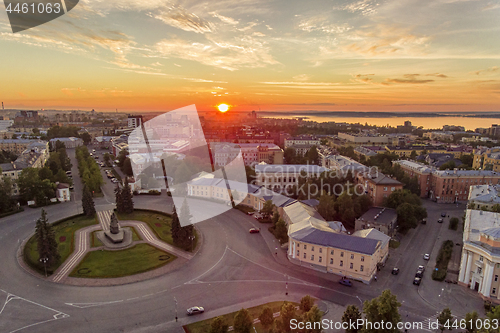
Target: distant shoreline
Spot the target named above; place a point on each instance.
(375, 114)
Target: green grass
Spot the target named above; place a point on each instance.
(204, 326)
(64, 231)
(112, 264)
(159, 223)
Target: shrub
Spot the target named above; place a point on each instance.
(453, 223)
(442, 260)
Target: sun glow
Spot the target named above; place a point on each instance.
(223, 107)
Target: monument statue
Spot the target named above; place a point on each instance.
(114, 228)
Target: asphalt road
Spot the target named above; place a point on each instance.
(232, 269)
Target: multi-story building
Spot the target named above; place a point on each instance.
(377, 185)
(484, 196)
(69, 143)
(304, 140)
(439, 135)
(252, 153)
(381, 218)
(281, 177)
(447, 185)
(134, 121)
(407, 150)
(487, 159)
(480, 263)
(15, 145)
(364, 138)
(419, 170)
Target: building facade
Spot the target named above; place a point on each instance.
(380, 218)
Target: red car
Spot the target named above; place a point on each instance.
(254, 231)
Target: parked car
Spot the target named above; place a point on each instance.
(443, 214)
(421, 268)
(419, 274)
(424, 221)
(195, 310)
(427, 256)
(395, 271)
(71, 187)
(416, 281)
(254, 230)
(346, 282)
(440, 221)
(250, 213)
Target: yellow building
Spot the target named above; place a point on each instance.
(487, 159)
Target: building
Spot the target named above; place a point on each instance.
(304, 140)
(282, 177)
(315, 244)
(364, 151)
(22, 116)
(134, 121)
(15, 145)
(442, 135)
(364, 138)
(252, 153)
(484, 196)
(5, 124)
(338, 162)
(419, 170)
(378, 186)
(480, 262)
(69, 143)
(487, 159)
(380, 218)
(62, 192)
(407, 150)
(447, 185)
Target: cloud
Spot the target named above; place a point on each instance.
(490, 70)
(365, 7)
(323, 24)
(224, 19)
(407, 79)
(178, 17)
(302, 77)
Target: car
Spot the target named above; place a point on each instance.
(68, 173)
(250, 213)
(443, 214)
(424, 221)
(421, 268)
(440, 221)
(419, 274)
(71, 187)
(427, 256)
(395, 271)
(195, 310)
(346, 282)
(416, 281)
(254, 230)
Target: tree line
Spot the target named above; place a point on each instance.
(90, 173)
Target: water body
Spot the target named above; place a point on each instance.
(433, 122)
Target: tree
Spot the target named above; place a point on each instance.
(6, 201)
(453, 223)
(243, 323)
(46, 240)
(107, 159)
(326, 206)
(289, 156)
(31, 187)
(383, 308)
(45, 173)
(312, 156)
(266, 317)
(251, 175)
(287, 313)
(406, 216)
(268, 208)
(86, 137)
(275, 218)
(182, 236)
(87, 202)
(471, 320)
(351, 315)
(127, 167)
(444, 318)
(218, 325)
(126, 197)
(312, 319)
(281, 231)
(306, 303)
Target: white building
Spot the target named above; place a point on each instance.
(480, 263)
(279, 177)
(302, 141)
(71, 142)
(62, 192)
(484, 196)
(134, 121)
(252, 153)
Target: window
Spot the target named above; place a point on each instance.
(331, 252)
(352, 256)
(385, 188)
(496, 278)
(305, 255)
(312, 256)
(305, 246)
(393, 189)
(351, 266)
(331, 261)
(320, 259)
(362, 258)
(361, 268)
(298, 253)
(479, 270)
(320, 250)
(494, 291)
(298, 246)
(481, 258)
(341, 254)
(341, 263)
(312, 248)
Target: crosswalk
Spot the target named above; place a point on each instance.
(104, 218)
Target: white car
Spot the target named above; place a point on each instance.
(427, 256)
(195, 310)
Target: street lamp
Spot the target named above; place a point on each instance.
(192, 237)
(286, 285)
(175, 300)
(44, 260)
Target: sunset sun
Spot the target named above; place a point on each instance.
(223, 107)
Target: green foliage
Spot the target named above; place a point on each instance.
(442, 260)
(471, 320)
(7, 204)
(46, 241)
(408, 207)
(124, 202)
(31, 187)
(313, 316)
(268, 208)
(251, 175)
(450, 165)
(326, 206)
(86, 137)
(242, 322)
(88, 202)
(281, 231)
(306, 303)
(266, 317)
(182, 236)
(62, 132)
(444, 317)
(287, 313)
(453, 223)
(383, 308)
(7, 156)
(351, 315)
(90, 172)
(218, 325)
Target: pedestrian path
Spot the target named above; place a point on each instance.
(104, 218)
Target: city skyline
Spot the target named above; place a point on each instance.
(258, 55)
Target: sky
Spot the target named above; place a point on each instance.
(283, 55)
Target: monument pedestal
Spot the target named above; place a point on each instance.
(108, 243)
(115, 238)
